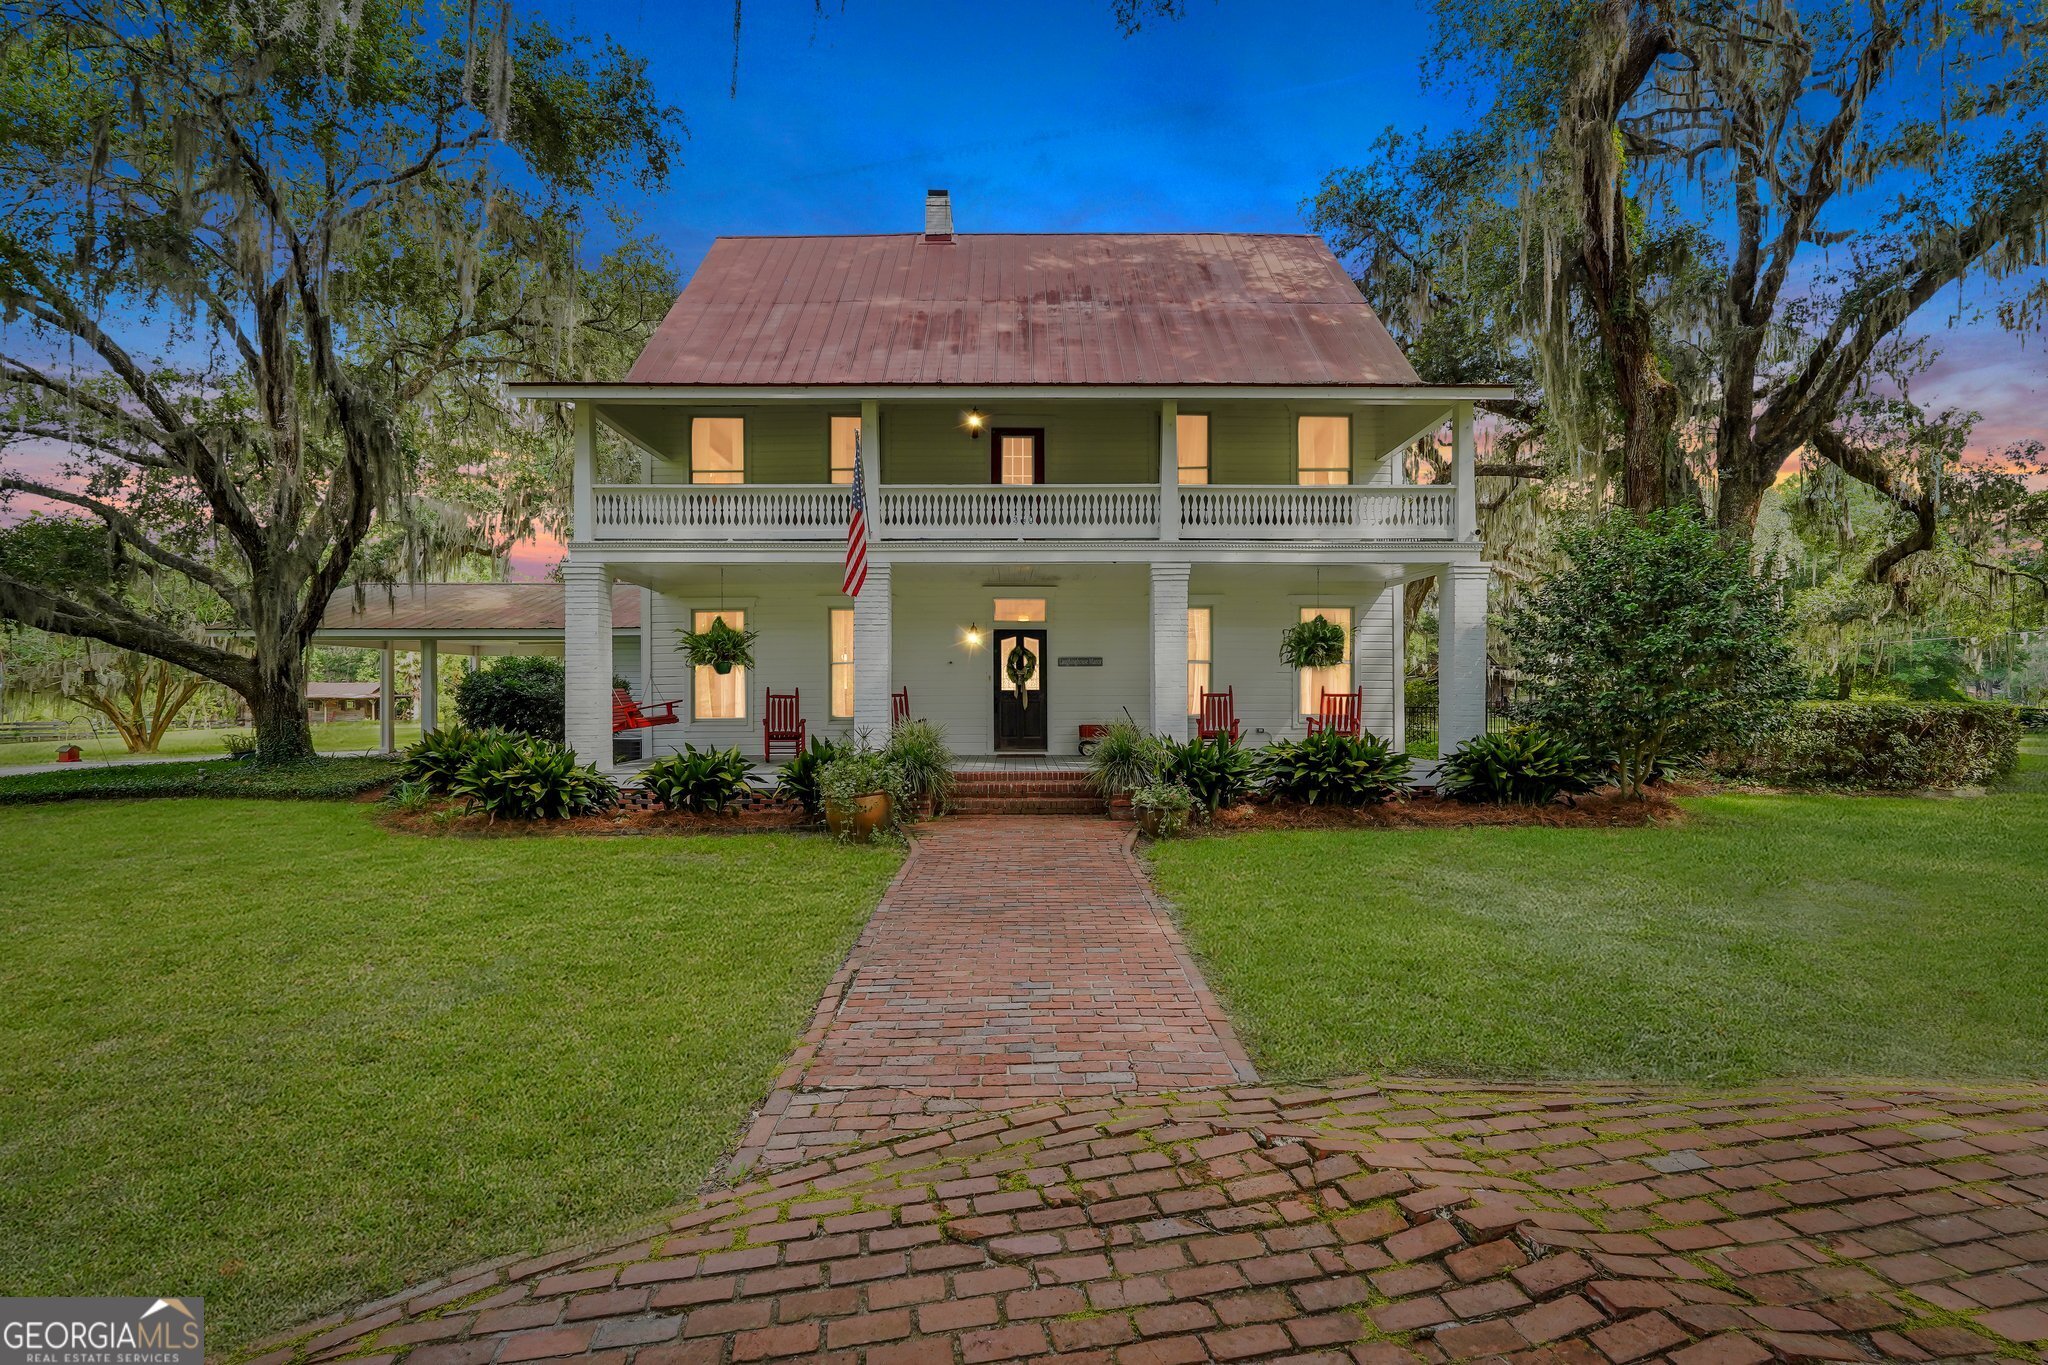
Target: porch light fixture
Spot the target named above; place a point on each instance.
(974, 420)
(971, 637)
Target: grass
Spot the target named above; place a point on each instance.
(317, 779)
(1767, 936)
(275, 1055)
(331, 737)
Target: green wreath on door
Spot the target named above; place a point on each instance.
(1021, 667)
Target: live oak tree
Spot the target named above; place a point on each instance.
(265, 268)
(1726, 212)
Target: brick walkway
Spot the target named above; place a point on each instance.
(1400, 1222)
(1012, 962)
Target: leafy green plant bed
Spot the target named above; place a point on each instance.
(321, 779)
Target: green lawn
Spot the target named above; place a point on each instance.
(1766, 936)
(273, 1054)
(341, 736)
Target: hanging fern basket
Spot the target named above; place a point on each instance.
(718, 647)
(1315, 643)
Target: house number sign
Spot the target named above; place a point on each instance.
(1081, 661)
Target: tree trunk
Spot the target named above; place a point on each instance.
(1649, 404)
(277, 701)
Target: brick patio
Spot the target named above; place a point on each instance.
(1011, 962)
(1405, 1221)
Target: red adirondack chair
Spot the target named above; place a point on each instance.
(783, 724)
(628, 714)
(899, 707)
(1343, 713)
(1218, 716)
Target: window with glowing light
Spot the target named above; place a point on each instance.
(1335, 678)
(842, 662)
(845, 443)
(715, 695)
(1020, 609)
(1199, 657)
(718, 450)
(1322, 451)
(1191, 442)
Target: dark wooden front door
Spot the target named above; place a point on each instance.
(1020, 710)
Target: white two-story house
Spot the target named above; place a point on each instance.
(1138, 457)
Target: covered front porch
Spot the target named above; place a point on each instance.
(1105, 641)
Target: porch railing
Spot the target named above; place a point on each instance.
(1344, 512)
(818, 512)
(1021, 512)
(720, 512)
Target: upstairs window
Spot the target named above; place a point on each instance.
(715, 695)
(1191, 440)
(845, 439)
(718, 450)
(1337, 677)
(842, 660)
(1322, 450)
(1017, 456)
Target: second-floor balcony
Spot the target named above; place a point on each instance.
(1031, 512)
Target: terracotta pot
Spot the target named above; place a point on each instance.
(863, 817)
(1152, 822)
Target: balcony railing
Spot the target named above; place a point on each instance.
(1346, 512)
(975, 512)
(1021, 512)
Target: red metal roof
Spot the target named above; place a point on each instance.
(1008, 308)
(448, 609)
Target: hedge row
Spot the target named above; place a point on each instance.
(1879, 746)
(314, 780)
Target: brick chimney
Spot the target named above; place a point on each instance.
(938, 216)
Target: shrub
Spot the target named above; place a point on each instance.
(316, 779)
(1658, 640)
(1333, 770)
(438, 758)
(797, 779)
(1216, 773)
(857, 773)
(1167, 804)
(1125, 759)
(409, 796)
(698, 779)
(1878, 745)
(520, 777)
(918, 750)
(238, 746)
(1420, 694)
(1524, 766)
(521, 695)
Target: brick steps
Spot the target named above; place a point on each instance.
(1048, 792)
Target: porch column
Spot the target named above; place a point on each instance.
(1377, 646)
(1169, 470)
(1465, 490)
(584, 496)
(1170, 650)
(1461, 654)
(430, 686)
(587, 660)
(387, 700)
(871, 472)
(873, 678)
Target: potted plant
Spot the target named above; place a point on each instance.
(860, 791)
(718, 647)
(1124, 758)
(1162, 808)
(1315, 643)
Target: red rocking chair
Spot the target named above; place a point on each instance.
(628, 714)
(1218, 718)
(899, 707)
(782, 725)
(1342, 714)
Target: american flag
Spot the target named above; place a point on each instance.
(857, 531)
